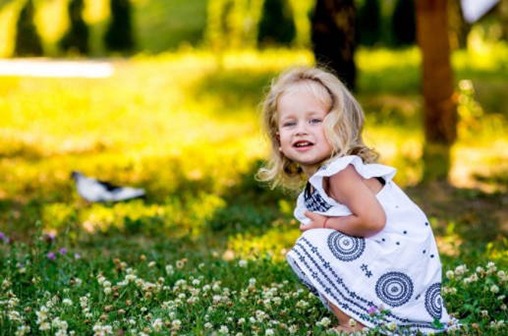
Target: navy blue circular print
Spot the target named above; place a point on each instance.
(433, 301)
(394, 288)
(345, 248)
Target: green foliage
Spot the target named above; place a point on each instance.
(277, 26)
(120, 35)
(404, 23)
(28, 42)
(76, 38)
(369, 23)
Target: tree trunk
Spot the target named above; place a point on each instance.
(440, 108)
(333, 38)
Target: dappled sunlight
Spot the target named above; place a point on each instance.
(275, 243)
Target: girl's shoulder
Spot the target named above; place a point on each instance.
(366, 170)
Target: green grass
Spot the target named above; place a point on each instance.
(185, 126)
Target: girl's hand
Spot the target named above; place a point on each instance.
(317, 221)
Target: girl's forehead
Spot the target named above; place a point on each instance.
(308, 86)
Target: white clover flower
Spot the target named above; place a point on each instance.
(293, 329)
(44, 326)
(6, 284)
(269, 332)
(450, 275)
(152, 264)
(460, 270)
(67, 302)
(13, 302)
(107, 290)
(208, 325)
(176, 324)
(22, 330)
(503, 307)
(502, 276)
(223, 329)
(100, 279)
(14, 316)
(484, 313)
(494, 289)
(324, 322)
(241, 321)
(242, 263)
(252, 281)
(170, 270)
(157, 324)
(391, 326)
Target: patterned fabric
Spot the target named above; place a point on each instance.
(396, 271)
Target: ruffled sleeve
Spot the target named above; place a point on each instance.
(332, 168)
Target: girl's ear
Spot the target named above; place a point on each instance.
(277, 137)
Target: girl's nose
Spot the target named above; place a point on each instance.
(301, 128)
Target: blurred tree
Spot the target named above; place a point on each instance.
(76, 38)
(369, 23)
(503, 18)
(119, 35)
(28, 41)
(333, 38)
(440, 107)
(277, 26)
(403, 23)
(458, 27)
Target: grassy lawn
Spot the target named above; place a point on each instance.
(203, 254)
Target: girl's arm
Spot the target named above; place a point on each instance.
(349, 188)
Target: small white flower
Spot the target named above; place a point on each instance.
(269, 332)
(242, 263)
(494, 289)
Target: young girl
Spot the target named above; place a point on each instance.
(366, 249)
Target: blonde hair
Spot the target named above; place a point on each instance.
(343, 124)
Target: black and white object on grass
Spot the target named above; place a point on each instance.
(94, 190)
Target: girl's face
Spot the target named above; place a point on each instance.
(300, 128)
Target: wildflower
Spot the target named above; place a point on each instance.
(4, 238)
(484, 313)
(269, 332)
(242, 263)
(325, 322)
(22, 330)
(51, 256)
(170, 270)
(157, 324)
(208, 325)
(77, 256)
(6, 284)
(223, 329)
(62, 251)
(460, 270)
(372, 310)
(450, 274)
(67, 302)
(494, 289)
(181, 263)
(152, 264)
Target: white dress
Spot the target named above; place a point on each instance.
(397, 270)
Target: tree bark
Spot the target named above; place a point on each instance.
(440, 107)
(333, 38)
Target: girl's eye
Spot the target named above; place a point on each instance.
(315, 121)
(288, 124)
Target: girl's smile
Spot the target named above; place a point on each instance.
(301, 133)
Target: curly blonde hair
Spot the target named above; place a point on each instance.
(343, 124)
